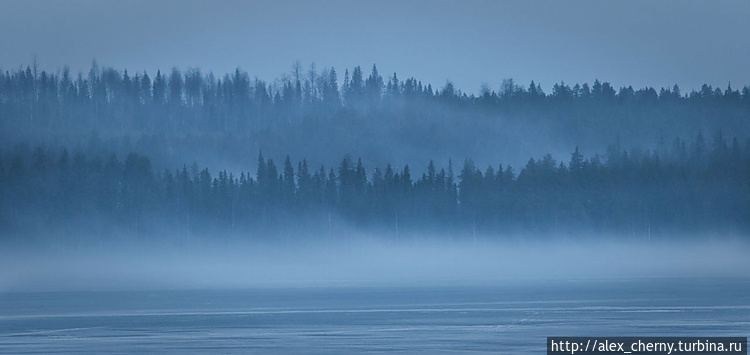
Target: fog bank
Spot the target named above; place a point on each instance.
(363, 263)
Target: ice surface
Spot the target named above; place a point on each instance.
(512, 318)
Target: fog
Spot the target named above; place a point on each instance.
(365, 262)
(370, 176)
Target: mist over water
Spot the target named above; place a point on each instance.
(362, 261)
(370, 176)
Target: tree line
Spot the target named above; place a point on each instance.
(700, 186)
(370, 115)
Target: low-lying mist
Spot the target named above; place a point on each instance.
(364, 262)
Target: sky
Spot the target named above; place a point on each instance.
(471, 43)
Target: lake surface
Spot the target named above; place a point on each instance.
(515, 317)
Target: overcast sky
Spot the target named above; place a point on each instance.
(639, 43)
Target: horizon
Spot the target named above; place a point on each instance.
(549, 44)
(274, 83)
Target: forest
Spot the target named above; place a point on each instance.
(698, 187)
(188, 155)
(223, 121)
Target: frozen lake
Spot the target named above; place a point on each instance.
(513, 318)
